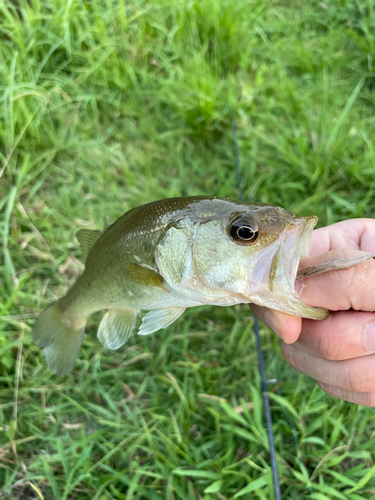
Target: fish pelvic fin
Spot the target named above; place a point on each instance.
(159, 318)
(116, 327)
(60, 337)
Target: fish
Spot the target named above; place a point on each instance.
(171, 254)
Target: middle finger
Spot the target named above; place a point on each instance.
(343, 335)
(356, 375)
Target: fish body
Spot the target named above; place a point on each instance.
(172, 254)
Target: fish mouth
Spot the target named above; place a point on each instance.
(273, 285)
(294, 242)
(303, 243)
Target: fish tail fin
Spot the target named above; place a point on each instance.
(60, 337)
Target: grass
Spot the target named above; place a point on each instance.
(107, 105)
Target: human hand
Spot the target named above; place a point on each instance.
(339, 352)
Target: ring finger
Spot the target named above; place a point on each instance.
(355, 375)
(359, 398)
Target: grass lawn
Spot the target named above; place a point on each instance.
(106, 105)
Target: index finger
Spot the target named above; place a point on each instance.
(351, 288)
(355, 234)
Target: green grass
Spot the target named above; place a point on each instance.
(107, 105)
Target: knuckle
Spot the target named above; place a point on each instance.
(329, 346)
(350, 378)
(323, 386)
(357, 285)
(368, 399)
(343, 280)
(324, 340)
(358, 378)
(289, 354)
(331, 390)
(363, 399)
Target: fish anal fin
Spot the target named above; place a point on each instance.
(144, 276)
(158, 319)
(116, 327)
(87, 239)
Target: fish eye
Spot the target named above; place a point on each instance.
(244, 230)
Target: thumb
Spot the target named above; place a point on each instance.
(334, 290)
(287, 327)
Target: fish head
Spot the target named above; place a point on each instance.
(242, 253)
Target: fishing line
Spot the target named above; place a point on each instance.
(266, 400)
(296, 441)
(267, 411)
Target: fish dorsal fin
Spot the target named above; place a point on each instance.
(158, 319)
(143, 275)
(87, 239)
(116, 327)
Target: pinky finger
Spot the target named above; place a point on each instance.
(359, 398)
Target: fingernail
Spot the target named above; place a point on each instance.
(272, 322)
(368, 337)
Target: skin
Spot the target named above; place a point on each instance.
(335, 352)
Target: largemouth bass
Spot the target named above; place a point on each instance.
(172, 254)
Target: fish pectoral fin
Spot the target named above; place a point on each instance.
(87, 239)
(144, 276)
(116, 327)
(158, 319)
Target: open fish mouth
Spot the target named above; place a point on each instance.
(276, 284)
(294, 243)
(302, 246)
